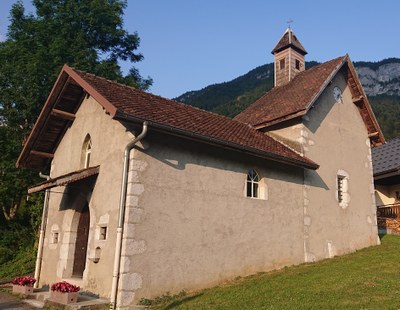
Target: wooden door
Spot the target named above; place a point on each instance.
(81, 243)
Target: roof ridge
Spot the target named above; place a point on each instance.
(126, 103)
(269, 115)
(103, 78)
(154, 95)
(307, 71)
(317, 66)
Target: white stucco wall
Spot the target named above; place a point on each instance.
(192, 226)
(108, 141)
(188, 223)
(337, 139)
(333, 135)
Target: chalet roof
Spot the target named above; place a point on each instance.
(386, 157)
(128, 104)
(295, 98)
(289, 39)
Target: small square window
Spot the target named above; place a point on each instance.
(103, 233)
(54, 237)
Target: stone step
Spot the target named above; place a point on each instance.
(85, 302)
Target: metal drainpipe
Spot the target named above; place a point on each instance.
(121, 217)
(42, 232)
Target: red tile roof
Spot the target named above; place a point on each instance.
(133, 104)
(293, 99)
(129, 104)
(289, 39)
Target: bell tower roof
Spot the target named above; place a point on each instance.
(289, 39)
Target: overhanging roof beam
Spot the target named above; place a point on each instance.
(42, 154)
(63, 114)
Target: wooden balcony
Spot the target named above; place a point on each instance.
(389, 211)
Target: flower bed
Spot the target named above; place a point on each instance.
(23, 285)
(64, 292)
(65, 287)
(24, 281)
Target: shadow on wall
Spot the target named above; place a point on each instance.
(319, 111)
(314, 179)
(178, 153)
(77, 194)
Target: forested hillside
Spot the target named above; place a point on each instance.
(381, 81)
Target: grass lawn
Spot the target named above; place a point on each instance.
(367, 279)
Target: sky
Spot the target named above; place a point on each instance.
(188, 44)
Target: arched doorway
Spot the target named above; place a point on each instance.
(82, 235)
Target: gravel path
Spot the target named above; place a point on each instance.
(8, 301)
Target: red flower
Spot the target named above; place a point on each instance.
(24, 281)
(65, 287)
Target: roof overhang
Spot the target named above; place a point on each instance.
(65, 179)
(220, 143)
(281, 120)
(57, 115)
(59, 111)
(360, 99)
(387, 174)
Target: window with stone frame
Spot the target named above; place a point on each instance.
(342, 188)
(54, 237)
(103, 233)
(252, 184)
(340, 185)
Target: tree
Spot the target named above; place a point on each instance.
(87, 35)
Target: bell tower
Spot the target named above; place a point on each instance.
(288, 58)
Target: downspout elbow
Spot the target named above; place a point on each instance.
(44, 176)
(127, 152)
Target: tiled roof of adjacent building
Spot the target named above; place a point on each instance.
(293, 99)
(289, 39)
(386, 157)
(129, 104)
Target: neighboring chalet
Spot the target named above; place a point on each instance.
(386, 162)
(147, 195)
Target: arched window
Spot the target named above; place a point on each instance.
(86, 152)
(252, 184)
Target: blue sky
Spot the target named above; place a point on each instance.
(190, 44)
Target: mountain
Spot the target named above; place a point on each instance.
(381, 82)
(380, 78)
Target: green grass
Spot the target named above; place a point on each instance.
(22, 263)
(366, 279)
